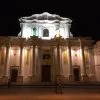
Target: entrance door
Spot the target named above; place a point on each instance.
(76, 74)
(14, 74)
(46, 73)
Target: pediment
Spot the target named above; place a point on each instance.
(44, 16)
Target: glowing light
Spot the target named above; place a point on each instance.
(65, 57)
(56, 25)
(57, 34)
(27, 32)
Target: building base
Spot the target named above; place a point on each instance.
(59, 79)
(84, 78)
(32, 79)
(92, 77)
(4, 80)
(20, 80)
(70, 77)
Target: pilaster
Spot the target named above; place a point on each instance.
(91, 66)
(70, 76)
(20, 76)
(6, 69)
(33, 77)
(84, 76)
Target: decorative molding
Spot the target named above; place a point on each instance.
(44, 18)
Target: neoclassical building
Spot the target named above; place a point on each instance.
(44, 51)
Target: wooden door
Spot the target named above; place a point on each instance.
(14, 74)
(46, 73)
(76, 74)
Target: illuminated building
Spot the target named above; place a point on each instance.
(44, 51)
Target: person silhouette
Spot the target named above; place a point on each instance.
(59, 85)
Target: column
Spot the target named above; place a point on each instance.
(55, 63)
(37, 63)
(6, 69)
(61, 69)
(58, 60)
(21, 60)
(61, 66)
(53, 68)
(70, 76)
(91, 66)
(20, 74)
(33, 64)
(83, 67)
(21, 25)
(58, 69)
(7, 61)
(0, 63)
(33, 78)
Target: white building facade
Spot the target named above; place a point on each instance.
(44, 51)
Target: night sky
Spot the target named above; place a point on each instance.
(85, 15)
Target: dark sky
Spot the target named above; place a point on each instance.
(85, 15)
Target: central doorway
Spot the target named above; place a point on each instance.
(14, 74)
(76, 73)
(46, 73)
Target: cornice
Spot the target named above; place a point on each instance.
(34, 40)
(45, 18)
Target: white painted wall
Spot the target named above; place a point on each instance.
(63, 30)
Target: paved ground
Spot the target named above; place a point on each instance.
(49, 94)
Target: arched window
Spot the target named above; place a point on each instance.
(34, 31)
(45, 33)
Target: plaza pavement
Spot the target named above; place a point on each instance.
(49, 93)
